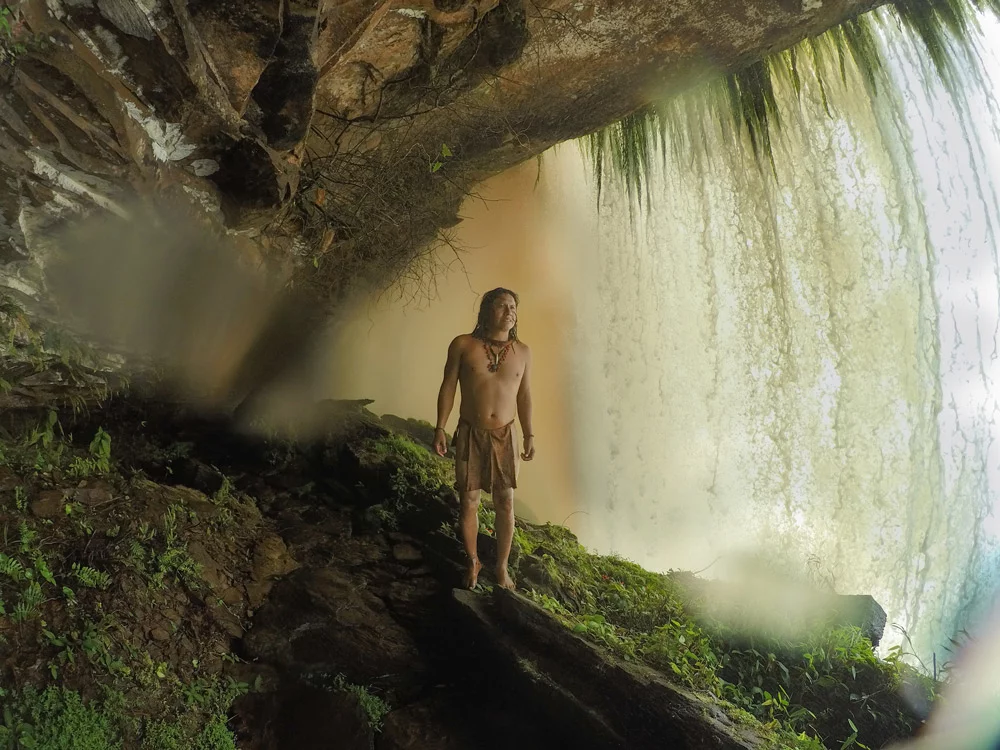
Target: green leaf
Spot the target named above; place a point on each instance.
(445, 151)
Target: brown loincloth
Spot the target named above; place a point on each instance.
(485, 459)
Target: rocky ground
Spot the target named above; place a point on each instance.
(170, 583)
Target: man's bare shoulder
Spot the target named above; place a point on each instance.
(463, 341)
(524, 347)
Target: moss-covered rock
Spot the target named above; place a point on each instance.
(148, 552)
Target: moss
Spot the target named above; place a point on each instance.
(415, 467)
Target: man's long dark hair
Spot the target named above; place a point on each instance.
(486, 306)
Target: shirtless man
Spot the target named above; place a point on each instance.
(492, 365)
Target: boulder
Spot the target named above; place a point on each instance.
(860, 610)
(322, 619)
(419, 726)
(302, 717)
(783, 607)
(49, 504)
(418, 430)
(597, 700)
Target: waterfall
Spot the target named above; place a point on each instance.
(802, 367)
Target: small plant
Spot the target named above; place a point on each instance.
(524, 542)
(11, 567)
(99, 461)
(548, 603)
(852, 738)
(487, 520)
(47, 446)
(11, 47)
(374, 707)
(385, 517)
(443, 155)
(90, 577)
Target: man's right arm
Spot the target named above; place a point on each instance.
(446, 394)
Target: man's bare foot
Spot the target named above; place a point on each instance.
(504, 581)
(472, 573)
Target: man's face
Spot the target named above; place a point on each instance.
(504, 312)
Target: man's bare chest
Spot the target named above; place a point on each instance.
(493, 363)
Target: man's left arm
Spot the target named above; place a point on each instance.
(524, 408)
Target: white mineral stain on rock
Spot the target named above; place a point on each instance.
(55, 8)
(204, 167)
(208, 202)
(74, 181)
(167, 138)
(111, 44)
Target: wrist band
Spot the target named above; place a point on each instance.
(439, 428)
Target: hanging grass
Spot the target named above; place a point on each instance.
(623, 152)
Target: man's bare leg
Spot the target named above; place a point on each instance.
(503, 504)
(468, 526)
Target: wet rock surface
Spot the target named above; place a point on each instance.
(597, 700)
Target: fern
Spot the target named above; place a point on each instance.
(28, 536)
(170, 525)
(11, 567)
(90, 577)
(137, 553)
(32, 595)
(21, 612)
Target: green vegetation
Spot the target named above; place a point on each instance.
(375, 708)
(745, 104)
(826, 689)
(11, 46)
(57, 718)
(443, 155)
(28, 346)
(372, 706)
(414, 467)
(414, 471)
(86, 570)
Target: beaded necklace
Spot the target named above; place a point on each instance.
(496, 358)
